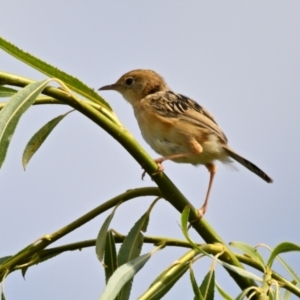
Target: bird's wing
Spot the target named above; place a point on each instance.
(171, 105)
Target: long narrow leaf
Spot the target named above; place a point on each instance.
(132, 246)
(250, 251)
(110, 256)
(72, 82)
(168, 278)
(122, 275)
(282, 248)
(207, 287)
(4, 259)
(289, 269)
(101, 238)
(7, 92)
(163, 284)
(39, 137)
(197, 293)
(223, 293)
(247, 291)
(287, 295)
(13, 110)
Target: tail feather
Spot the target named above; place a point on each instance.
(248, 164)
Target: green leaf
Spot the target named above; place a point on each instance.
(13, 110)
(223, 293)
(197, 293)
(39, 137)
(72, 82)
(289, 269)
(123, 275)
(6, 92)
(101, 238)
(277, 295)
(2, 295)
(250, 251)
(4, 259)
(282, 248)
(166, 280)
(237, 270)
(133, 242)
(247, 291)
(207, 287)
(185, 220)
(110, 257)
(287, 295)
(132, 246)
(185, 230)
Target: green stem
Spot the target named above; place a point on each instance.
(209, 248)
(25, 254)
(168, 189)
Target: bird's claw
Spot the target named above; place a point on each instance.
(160, 169)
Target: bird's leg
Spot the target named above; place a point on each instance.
(160, 160)
(212, 169)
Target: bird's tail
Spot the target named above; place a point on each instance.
(248, 164)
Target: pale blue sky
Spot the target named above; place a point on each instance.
(239, 59)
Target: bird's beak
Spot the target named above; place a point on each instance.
(112, 87)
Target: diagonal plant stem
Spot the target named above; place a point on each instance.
(168, 189)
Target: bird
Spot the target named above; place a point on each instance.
(177, 127)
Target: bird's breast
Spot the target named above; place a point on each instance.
(167, 137)
(158, 133)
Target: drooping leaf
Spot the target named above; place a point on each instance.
(287, 295)
(185, 230)
(123, 275)
(101, 238)
(276, 293)
(7, 92)
(132, 246)
(39, 138)
(162, 289)
(197, 293)
(13, 110)
(110, 256)
(240, 271)
(250, 251)
(133, 242)
(168, 278)
(3, 296)
(73, 83)
(282, 248)
(207, 287)
(289, 269)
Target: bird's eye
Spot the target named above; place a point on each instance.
(129, 81)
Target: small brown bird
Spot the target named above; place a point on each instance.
(177, 127)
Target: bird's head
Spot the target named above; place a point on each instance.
(137, 84)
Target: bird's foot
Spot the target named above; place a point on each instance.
(200, 214)
(160, 168)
